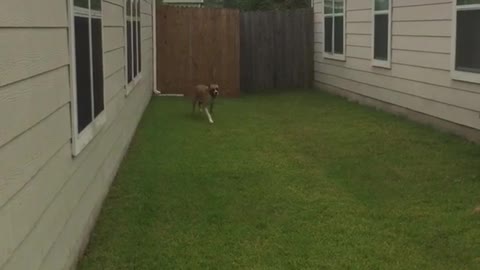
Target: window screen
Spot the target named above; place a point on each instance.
(84, 89)
(139, 39)
(328, 34)
(81, 3)
(89, 61)
(133, 40)
(334, 33)
(468, 41)
(135, 49)
(97, 49)
(129, 51)
(381, 37)
(338, 41)
(381, 33)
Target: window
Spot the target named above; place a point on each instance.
(133, 41)
(334, 24)
(382, 33)
(466, 41)
(87, 71)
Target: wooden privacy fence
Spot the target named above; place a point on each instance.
(276, 49)
(198, 46)
(248, 51)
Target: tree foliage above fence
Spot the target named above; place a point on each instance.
(249, 5)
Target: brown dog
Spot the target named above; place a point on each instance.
(205, 97)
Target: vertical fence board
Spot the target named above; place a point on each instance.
(198, 46)
(276, 49)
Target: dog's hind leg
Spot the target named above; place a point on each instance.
(209, 116)
(194, 106)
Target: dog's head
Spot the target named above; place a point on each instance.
(214, 90)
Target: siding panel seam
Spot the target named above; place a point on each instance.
(44, 210)
(401, 78)
(34, 75)
(396, 91)
(33, 126)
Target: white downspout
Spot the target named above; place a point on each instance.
(157, 92)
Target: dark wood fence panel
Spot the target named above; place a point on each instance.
(276, 49)
(198, 46)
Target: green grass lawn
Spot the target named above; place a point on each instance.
(293, 180)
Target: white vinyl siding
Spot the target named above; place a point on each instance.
(49, 200)
(421, 49)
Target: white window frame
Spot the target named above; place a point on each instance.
(135, 80)
(377, 62)
(82, 139)
(333, 55)
(457, 74)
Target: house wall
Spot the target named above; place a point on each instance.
(49, 200)
(419, 83)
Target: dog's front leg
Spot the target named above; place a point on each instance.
(209, 116)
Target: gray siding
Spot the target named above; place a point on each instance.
(419, 78)
(48, 199)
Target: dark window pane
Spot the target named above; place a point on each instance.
(139, 46)
(135, 51)
(327, 6)
(138, 9)
(328, 34)
(97, 66)
(338, 35)
(381, 37)
(338, 6)
(382, 4)
(129, 51)
(81, 3)
(96, 4)
(82, 57)
(468, 41)
(129, 7)
(134, 8)
(467, 2)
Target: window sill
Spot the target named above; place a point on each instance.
(133, 84)
(381, 64)
(338, 57)
(465, 76)
(88, 134)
